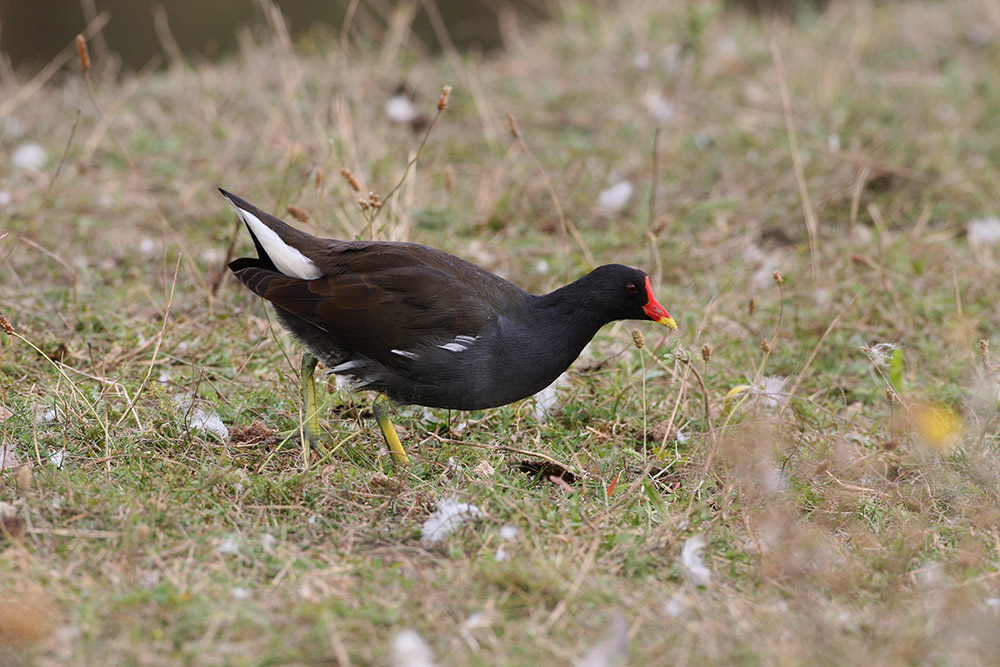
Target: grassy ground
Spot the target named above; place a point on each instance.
(849, 508)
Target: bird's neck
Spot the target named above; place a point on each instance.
(540, 341)
(565, 317)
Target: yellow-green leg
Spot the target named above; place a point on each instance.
(381, 407)
(310, 405)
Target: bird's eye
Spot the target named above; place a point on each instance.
(631, 288)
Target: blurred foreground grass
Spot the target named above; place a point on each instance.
(847, 498)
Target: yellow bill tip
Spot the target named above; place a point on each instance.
(668, 322)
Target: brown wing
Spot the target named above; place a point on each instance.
(384, 306)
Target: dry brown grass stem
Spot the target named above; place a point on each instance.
(291, 70)
(856, 192)
(337, 647)
(767, 347)
(651, 227)
(812, 225)
(963, 328)
(564, 224)
(59, 367)
(156, 350)
(220, 275)
(161, 26)
(441, 106)
(686, 360)
(399, 28)
(842, 69)
(708, 416)
(654, 179)
(108, 385)
(31, 88)
(580, 472)
(88, 534)
(581, 575)
(854, 487)
(108, 113)
(819, 344)
(168, 228)
(626, 496)
(456, 60)
(780, 282)
(48, 193)
(98, 41)
(345, 28)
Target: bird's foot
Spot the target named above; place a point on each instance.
(310, 406)
(381, 407)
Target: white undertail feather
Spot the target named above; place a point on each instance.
(287, 259)
(346, 366)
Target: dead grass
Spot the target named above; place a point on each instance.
(849, 509)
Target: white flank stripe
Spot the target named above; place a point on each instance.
(468, 340)
(453, 347)
(404, 353)
(287, 259)
(346, 366)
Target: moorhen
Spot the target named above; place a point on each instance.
(423, 327)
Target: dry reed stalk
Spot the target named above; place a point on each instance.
(564, 224)
(28, 90)
(374, 205)
(48, 188)
(819, 344)
(652, 232)
(469, 82)
(168, 228)
(161, 26)
(812, 224)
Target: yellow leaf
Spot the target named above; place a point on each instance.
(937, 426)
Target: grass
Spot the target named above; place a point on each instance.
(849, 515)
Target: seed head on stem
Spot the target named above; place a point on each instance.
(349, 177)
(515, 131)
(81, 50)
(443, 100)
(638, 339)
